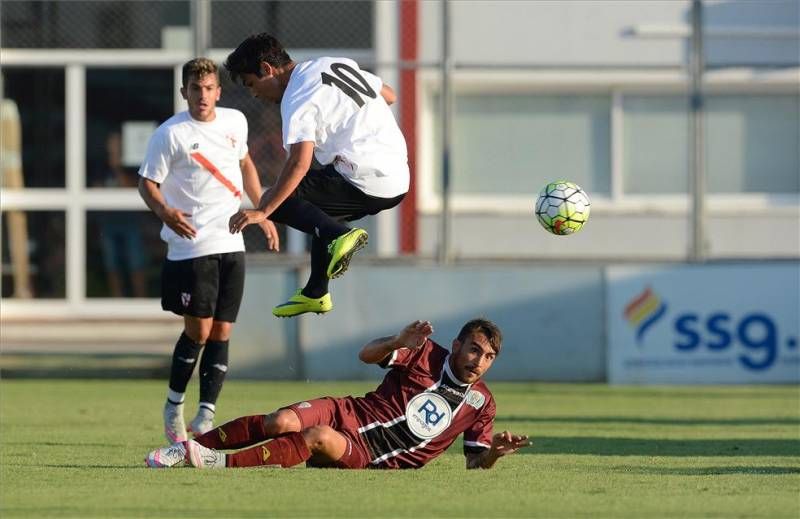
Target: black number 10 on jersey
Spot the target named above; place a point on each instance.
(348, 80)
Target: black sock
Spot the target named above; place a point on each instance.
(213, 367)
(317, 285)
(308, 218)
(184, 359)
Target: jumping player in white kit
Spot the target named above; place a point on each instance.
(335, 112)
(196, 168)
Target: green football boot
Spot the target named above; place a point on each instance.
(300, 304)
(342, 250)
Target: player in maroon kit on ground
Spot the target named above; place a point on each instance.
(429, 396)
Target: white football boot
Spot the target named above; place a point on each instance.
(174, 426)
(202, 423)
(165, 457)
(204, 458)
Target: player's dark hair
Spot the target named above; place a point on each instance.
(247, 57)
(198, 67)
(485, 327)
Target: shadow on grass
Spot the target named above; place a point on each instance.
(656, 447)
(604, 391)
(706, 471)
(73, 444)
(115, 467)
(651, 421)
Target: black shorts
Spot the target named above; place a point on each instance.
(208, 286)
(328, 190)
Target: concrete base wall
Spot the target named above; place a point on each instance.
(552, 319)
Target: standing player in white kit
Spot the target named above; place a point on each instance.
(338, 113)
(192, 178)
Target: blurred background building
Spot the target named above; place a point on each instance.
(503, 96)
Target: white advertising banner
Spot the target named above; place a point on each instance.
(704, 324)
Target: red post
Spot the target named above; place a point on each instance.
(409, 41)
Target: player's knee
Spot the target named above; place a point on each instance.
(319, 437)
(281, 422)
(220, 331)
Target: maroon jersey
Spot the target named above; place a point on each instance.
(420, 408)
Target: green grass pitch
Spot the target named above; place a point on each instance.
(76, 449)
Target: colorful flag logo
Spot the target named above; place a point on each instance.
(644, 311)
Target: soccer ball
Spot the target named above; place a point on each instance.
(562, 207)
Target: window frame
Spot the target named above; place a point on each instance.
(616, 84)
(75, 199)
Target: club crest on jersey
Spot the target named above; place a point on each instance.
(428, 414)
(475, 399)
(231, 139)
(185, 299)
(195, 145)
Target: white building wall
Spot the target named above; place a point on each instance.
(607, 32)
(606, 48)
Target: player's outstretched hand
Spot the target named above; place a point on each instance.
(273, 240)
(505, 443)
(415, 334)
(176, 220)
(244, 218)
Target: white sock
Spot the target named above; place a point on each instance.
(174, 397)
(206, 411)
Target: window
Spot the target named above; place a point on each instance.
(34, 254)
(123, 254)
(117, 102)
(655, 144)
(510, 144)
(89, 24)
(34, 110)
(297, 25)
(751, 143)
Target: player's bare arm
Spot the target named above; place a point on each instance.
(173, 218)
(503, 444)
(252, 186)
(388, 94)
(412, 337)
(296, 167)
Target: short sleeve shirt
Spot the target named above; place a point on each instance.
(420, 408)
(197, 165)
(337, 106)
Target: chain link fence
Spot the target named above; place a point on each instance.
(119, 87)
(538, 90)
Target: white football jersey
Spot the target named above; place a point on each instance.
(337, 106)
(197, 165)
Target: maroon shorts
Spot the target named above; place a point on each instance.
(339, 414)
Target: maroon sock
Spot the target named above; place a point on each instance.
(242, 432)
(286, 451)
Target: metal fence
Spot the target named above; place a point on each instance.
(495, 98)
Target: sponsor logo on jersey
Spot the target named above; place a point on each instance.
(265, 453)
(195, 145)
(428, 415)
(222, 435)
(447, 389)
(475, 399)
